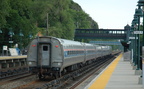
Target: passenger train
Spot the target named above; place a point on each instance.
(53, 56)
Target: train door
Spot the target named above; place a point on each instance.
(44, 55)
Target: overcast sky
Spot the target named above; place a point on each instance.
(110, 14)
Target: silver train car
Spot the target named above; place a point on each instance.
(51, 56)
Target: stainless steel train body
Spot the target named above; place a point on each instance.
(52, 54)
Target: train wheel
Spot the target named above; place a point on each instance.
(56, 75)
(41, 77)
(64, 72)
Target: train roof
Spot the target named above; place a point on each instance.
(64, 41)
(67, 42)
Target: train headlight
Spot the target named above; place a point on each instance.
(59, 64)
(32, 63)
(29, 63)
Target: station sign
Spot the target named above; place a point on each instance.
(138, 32)
(132, 38)
(13, 52)
(5, 47)
(10, 41)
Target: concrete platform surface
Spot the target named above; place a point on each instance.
(124, 77)
(118, 75)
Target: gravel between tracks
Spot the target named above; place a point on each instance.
(15, 83)
(87, 81)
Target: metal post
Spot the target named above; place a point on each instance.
(134, 23)
(47, 26)
(138, 42)
(20, 53)
(143, 26)
(143, 72)
(133, 43)
(141, 3)
(143, 65)
(2, 38)
(132, 47)
(134, 50)
(135, 46)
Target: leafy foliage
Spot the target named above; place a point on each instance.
(30, 17)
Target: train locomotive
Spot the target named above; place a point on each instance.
(51, 56)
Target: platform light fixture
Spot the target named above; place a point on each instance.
(1, 31)
(141, 1)
(134, 21)
(134, 45)
(21, 34)
(11, 33)
(138, 12)
(30, 36)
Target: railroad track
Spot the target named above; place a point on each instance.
(93, 71)
(33, 84)
(13, 81)
(13, 75)
(71, 80)
(68, 81)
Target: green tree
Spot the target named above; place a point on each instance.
(4, 11)
(30, 17)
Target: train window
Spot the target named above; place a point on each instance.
(69, 52)
(45, 48)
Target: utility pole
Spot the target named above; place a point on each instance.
(143, 25)
(47, 26)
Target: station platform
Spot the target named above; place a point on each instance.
(118, 75)
(12, 57)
